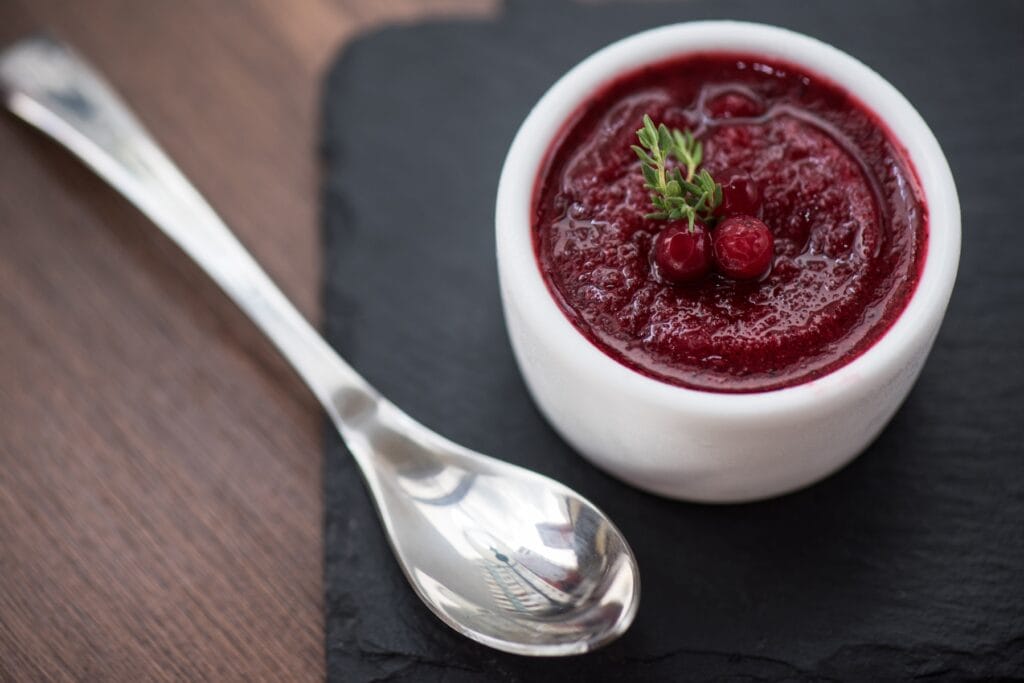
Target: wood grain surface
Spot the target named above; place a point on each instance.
(160, 466)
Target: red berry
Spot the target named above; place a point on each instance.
(743, 248)
(682, 255)
(740, 195)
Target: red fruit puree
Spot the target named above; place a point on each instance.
(844, 207)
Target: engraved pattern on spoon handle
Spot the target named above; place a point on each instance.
(49, 86)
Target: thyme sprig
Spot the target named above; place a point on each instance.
(674, 196)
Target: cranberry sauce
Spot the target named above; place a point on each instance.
(843, 205)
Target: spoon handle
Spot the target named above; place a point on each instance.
(52, 88)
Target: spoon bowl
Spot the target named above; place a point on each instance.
(503, 555)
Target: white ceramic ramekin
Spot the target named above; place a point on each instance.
(697, 445)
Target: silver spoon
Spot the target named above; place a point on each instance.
(501, 554)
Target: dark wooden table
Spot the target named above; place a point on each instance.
(160, 489)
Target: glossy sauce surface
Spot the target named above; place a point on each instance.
(847, 216)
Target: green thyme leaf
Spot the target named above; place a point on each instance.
(692, 196)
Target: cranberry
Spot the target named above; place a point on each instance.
(743, 248)
(740, 195)
(682, 255)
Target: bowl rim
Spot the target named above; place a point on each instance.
(912, 331)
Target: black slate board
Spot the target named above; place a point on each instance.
(908, 563)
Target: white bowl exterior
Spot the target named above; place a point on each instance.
(697, 445)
